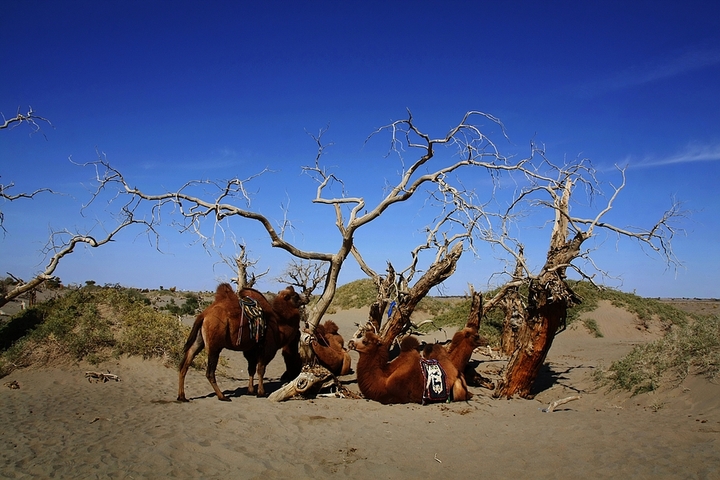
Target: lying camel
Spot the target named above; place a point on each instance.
(401, 380)
(329, 347)
(461, 348)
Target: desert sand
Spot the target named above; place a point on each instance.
(60, 425)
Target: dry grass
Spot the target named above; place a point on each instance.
(691, 347)
(91, 324)
(96, 323)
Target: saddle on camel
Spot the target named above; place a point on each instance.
(234, 324)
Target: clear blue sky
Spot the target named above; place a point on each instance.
(176, 90)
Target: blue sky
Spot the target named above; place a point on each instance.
(174, 91)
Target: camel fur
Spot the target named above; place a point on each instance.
(223, 325)
(461, 348)
(329, 347)
(401, 380)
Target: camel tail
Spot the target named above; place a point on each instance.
(194, 332)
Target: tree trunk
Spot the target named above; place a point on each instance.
(513, 323)
(441, 270)
(546, 312)
(476, 310)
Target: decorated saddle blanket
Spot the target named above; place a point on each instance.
(251, 317)
(435, 390)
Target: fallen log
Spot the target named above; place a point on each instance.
(99, 376)
(310, 381)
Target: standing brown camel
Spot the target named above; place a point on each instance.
(401, 380)
(224, 325)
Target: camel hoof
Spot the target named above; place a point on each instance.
(183, 399)
(224, 399)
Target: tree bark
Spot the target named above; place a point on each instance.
(513, 322)
(476, 310)
(438, 272)
(547, 310)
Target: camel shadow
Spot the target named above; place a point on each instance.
(270, 387)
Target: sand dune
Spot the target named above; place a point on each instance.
(58, 424)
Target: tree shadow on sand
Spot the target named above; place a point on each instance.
(19, 326)
(553, 374)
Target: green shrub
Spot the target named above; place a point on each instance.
(190, 306)
(90, 323)
(593, 327)
(689, 347)
(149, 334)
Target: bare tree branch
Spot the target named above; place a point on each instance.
(29, 118)
(4, 194)
(307, 276)
(63, 243)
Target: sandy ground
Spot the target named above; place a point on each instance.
(57, 424)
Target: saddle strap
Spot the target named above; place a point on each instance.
(252, 315)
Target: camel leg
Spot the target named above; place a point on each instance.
(252, 368)
(460, 390)
(213, 357)
(188, 358)
(261, 378)
(293, 363)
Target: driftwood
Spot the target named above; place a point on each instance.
(101, 377)
(557, 403)
(310, 381)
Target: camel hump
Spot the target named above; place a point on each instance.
(224, 291)
(470, 334)
(320, 330)
(331, 327)
(409, 343)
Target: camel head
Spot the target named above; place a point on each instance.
(290, 296)
(471, 335)
(369, 342)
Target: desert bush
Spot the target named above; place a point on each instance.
(151, 334)
(191, 305)
(688, 347)
(593, 327)
(90, 323)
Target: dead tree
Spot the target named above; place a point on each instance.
(533, 319)
(246, 277)
(538, 187)
(399, 299)
(61, 242)
(470, 149)
(307, 276)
